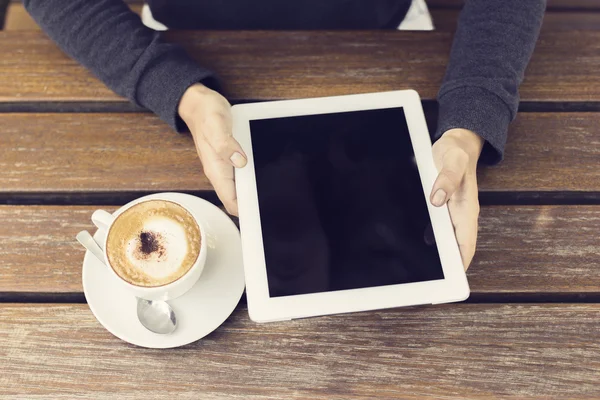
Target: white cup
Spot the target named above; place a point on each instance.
(104, 221)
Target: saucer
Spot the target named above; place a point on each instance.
(199, 311)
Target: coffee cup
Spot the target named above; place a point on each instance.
(155, 248)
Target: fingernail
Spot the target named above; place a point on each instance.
(238, 160)
(439, 198)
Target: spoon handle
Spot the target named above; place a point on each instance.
(90, 244)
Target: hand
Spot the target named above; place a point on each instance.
(455, 155)
(208, 116)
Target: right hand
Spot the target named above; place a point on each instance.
(208, 116)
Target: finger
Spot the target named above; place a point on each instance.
(454, 166)
(464, 212)
(220, 174)
(218, 134)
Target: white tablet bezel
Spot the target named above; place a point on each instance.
(261, 307)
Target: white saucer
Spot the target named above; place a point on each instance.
(200, 311)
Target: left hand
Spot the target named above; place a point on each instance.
(455, 155)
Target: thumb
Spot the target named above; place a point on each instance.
(219, 137)
(454, 167)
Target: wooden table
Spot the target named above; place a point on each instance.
(530, 329)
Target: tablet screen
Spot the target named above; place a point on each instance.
(341, 203)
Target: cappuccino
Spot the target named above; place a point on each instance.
(153, 243)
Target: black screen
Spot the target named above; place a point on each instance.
(341, 203)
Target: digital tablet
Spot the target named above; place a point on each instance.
(334, 207)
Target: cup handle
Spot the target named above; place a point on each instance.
(102, 219)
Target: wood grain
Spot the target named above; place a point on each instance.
(284, 64)
(533, 249)
(137, 152)
(450, 352)
(548, 152)
(95, 152)
(38, 250)
(547, 249)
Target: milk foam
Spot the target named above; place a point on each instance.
(174, 248)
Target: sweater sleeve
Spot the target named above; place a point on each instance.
(492, 47)
(131, 59)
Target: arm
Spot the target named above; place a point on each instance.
(131, 59)
(492, 46)
(110, 40)
(478, 99)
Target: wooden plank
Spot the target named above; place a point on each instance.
(446, 20)
(478, 351)
(95, 152)
(553, 5)
(548, 152)
(547, 249)
(38, 250)
(277, 65)
(137, 152)
(522, 250)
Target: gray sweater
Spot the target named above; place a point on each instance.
(493, 44)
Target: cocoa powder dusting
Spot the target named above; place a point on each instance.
(149, 242)
(151, 245)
